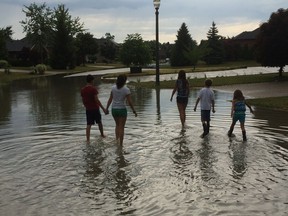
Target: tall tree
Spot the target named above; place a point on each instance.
(64, 30)
(38, 17)
(53, 28)
(86, 44)
(272, 41)
(214, 53)
(5, 34)
(183, 47)
(38, 27)
(109, 47)
(134, 52)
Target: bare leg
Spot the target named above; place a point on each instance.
(122, 122)
(100, 126)
(119, 129)
(231, 128)
(205, 128)
(182, 112)
(116, 119)
(243, 131)
(88, 129)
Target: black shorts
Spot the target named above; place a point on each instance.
(182, 100)
(205, 115)
(93, 116)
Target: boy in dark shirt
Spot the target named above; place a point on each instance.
(92, 104)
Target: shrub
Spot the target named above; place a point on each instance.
(4, 64)
(41, 68)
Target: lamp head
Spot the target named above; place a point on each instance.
(156, 4)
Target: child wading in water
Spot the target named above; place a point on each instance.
(120, 93)
(182, 88)
(206, 98)
(238, 112)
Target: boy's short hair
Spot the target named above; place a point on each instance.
(89, 78)
(208, 82)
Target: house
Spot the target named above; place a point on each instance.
(18, 49)
(247, 38)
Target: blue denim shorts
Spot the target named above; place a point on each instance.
(239, 117)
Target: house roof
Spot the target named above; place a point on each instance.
(17, 45)
(248, 35)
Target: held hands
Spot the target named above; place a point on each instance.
(106, 111)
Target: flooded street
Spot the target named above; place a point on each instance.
(47, 168)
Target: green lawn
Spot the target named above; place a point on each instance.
(279, 103)
(217, 81)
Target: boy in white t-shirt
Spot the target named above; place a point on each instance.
(206, 97)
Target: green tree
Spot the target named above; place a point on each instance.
(53, 28)
(109, 48)
(272, 41)
(134, 52)
(166, 48)
(38, 27)
(63, 46)
(214, 50)
(183, 48)
(38, 17)
(5, 34)
(86, 44)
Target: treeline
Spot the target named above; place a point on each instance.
(60, 41)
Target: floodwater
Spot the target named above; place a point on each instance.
(47, 168)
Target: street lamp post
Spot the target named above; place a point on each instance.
(156, 6)
(40, 40)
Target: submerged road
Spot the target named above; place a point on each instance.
(208, 74)
(255, 90)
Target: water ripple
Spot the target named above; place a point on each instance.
(47, 168)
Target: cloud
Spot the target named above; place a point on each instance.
(122, 17)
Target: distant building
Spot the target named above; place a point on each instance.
(247, 38)
(18, 49)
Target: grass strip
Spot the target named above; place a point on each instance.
(278, 103)
(217, 81)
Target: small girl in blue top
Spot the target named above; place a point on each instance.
(238, 110)
(182, 88)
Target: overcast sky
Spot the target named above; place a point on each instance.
(122, 17)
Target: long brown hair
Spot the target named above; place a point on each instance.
(121, 80)
(182, 75)
(238, 95)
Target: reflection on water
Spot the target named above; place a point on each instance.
(238, 156)
(48, 169)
